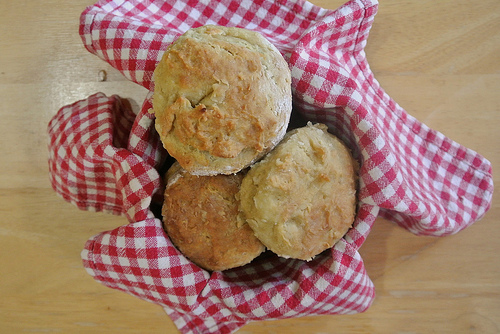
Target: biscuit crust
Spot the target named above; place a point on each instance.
(222, 99)
(200, 216)
(301, 198)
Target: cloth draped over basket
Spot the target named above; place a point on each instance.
(104, 157)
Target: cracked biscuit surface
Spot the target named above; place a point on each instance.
(222, 99)
(301, 198)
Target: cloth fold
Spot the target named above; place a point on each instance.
(105, 158)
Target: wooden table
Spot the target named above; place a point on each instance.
(440, 60)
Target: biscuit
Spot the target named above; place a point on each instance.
(200, 216)
(222, 99)
(301, 198)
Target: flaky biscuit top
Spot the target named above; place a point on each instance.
(301, 198)
(222, 99)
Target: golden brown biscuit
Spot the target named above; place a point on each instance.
(301, 198)
(200, 215)
(222, 99)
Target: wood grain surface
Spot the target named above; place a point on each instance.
(440, 60)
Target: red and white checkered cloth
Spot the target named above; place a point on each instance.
(103, 157)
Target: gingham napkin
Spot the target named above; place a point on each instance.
(105, 158)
